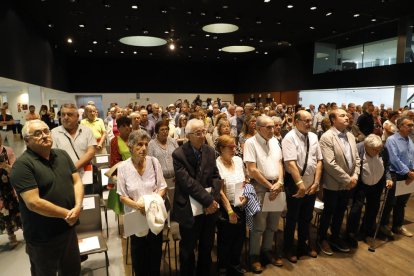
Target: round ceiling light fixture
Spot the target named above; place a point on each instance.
(220, 28)
(143, 41)
(238, 49)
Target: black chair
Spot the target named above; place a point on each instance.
(90, 226)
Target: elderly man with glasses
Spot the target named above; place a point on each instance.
(263, 158)
(196, 176)
(50, 194)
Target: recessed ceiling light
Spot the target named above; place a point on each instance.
(191, 47)
(225, 7)
(219, 50)
(164, 11)
(166, 32)
(189, 12)
(237, 49)
(356, 15)
(328, 13)
(106, 52)
(134, 7)
(50, 25)
(143, 41)
(265, 53)
(220, 28)
(122, 52)
(207, 35)
(258, 21)
(313, 8)
(171, 46)
(289, 6)
(135, 52)
(261, 40)
(95, 42)
(373, 19)
(312, 28)
(206, 48)
(202, 13)
(81, 26)
(69, 40)
(90, 51)
(266, 1)
(108, 28)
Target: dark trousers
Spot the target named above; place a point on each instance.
(59, 256)
(202, 232)
(396, 204)
(335, 203)
(300, 212)
(230, 239)
(146, 254)
(372, 195)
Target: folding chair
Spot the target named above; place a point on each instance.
(90, 226)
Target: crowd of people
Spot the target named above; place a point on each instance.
(227, 158)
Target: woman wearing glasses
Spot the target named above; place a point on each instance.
(232, 225)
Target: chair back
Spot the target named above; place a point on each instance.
(90, 217)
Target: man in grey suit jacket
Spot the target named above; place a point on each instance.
(195, 170)
(341, 169)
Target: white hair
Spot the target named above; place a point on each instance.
(193, 123)
(27, 126)
(373, 141)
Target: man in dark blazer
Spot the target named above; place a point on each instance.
(195, 170)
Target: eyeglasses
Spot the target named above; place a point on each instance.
(269, 127)
(164, 129)
(39, 133)
(199, 133)
(308, 121)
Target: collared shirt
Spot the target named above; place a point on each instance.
(372, 169)
(317, 121)
(97, 127)
(83, 139)
(294, 148)
(347, 147)
(164, 156)
(266, 155)
(149, 127)
(401, 153)
(133, 185)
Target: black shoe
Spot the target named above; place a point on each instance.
(352, 240)
(236, 270)
(339, 245)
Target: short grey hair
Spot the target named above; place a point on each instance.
(27, 126)
(401, 120)
(373, 141)
(69, 105)
(134, 115)
(137, 136)
(277, 119)
(192, 124)
(260, 120)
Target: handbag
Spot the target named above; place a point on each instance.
(290, 186)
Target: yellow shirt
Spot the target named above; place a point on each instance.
(97, 127)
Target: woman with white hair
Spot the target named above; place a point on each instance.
(373, 178)
(140, 176)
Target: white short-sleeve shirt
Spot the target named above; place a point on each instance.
(266, 155)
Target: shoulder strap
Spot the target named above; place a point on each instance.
(306, 158)
(70, 141)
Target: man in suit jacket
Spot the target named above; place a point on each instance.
(341, 169)
(195, 170)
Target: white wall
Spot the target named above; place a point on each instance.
(358, 96)
(164, 99)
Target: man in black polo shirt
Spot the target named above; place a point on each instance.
(50, 197)
(6, 126)
(366, 120)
